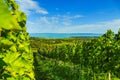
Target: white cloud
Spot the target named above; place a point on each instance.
(57, 20)
(31, 6)
(100, 27)
(78, 16)
(64, 20)
(44, 20)
(71, 17)
(66, 23)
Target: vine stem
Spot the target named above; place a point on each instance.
(0, 32)
(109, 76)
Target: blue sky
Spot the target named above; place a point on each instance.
(71, 16)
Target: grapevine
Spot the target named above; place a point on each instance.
(15, 52)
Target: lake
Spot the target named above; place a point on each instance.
(63, 35)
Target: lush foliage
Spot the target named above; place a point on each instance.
(95, 59)
(16, 60)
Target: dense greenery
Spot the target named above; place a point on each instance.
(75, 59)
(54, 59)
(16, 59)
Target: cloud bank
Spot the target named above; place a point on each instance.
(31, 7)
(61, 24)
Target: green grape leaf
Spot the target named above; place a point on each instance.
(6, 42)
(21, 16)
(11, 78)
(10, 57)
(20, 62)
(7, 20)
(13, 48)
